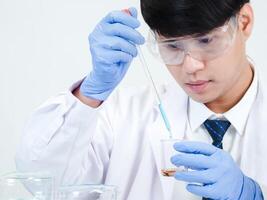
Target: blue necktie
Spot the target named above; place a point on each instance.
(216, 129)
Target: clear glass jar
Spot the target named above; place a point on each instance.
(26, 186)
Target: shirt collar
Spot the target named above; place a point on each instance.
(198, 113)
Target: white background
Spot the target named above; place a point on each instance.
(44, 49)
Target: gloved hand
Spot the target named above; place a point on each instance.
(214, 173)
(113, 47)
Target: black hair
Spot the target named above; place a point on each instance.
(175, 18)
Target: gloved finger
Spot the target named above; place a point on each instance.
(133, 12)
(121, 17)
(207, 191)
(120, 44)
(203, 176)
(123, 31)
(109, 57)
(193, 161)
(195, 147)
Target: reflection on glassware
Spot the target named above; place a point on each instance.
(87, 192)
(26, 186)
(167, 151)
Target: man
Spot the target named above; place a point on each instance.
(89, 136)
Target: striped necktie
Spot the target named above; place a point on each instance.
(216, 129)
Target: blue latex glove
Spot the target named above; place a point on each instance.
(215, 175)
(113, 47)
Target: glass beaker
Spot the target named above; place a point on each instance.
(87, 192)
(26, 186)
(167, 151)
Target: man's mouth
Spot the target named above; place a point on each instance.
(198, 86)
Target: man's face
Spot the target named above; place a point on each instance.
(213, 80)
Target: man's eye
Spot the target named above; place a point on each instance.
(173, 46)
(206, 40)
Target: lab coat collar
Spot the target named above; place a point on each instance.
(255, 137)
(174, 102)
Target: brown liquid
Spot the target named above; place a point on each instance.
(168, 172)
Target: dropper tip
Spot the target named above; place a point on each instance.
(170, 134)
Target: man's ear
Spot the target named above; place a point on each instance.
(246, 20)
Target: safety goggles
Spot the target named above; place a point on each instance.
(203, 48)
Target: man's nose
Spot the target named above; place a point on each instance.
(192, 65)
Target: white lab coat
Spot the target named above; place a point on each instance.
(119, 143)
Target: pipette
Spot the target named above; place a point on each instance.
(148, 73)
(149, 76)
